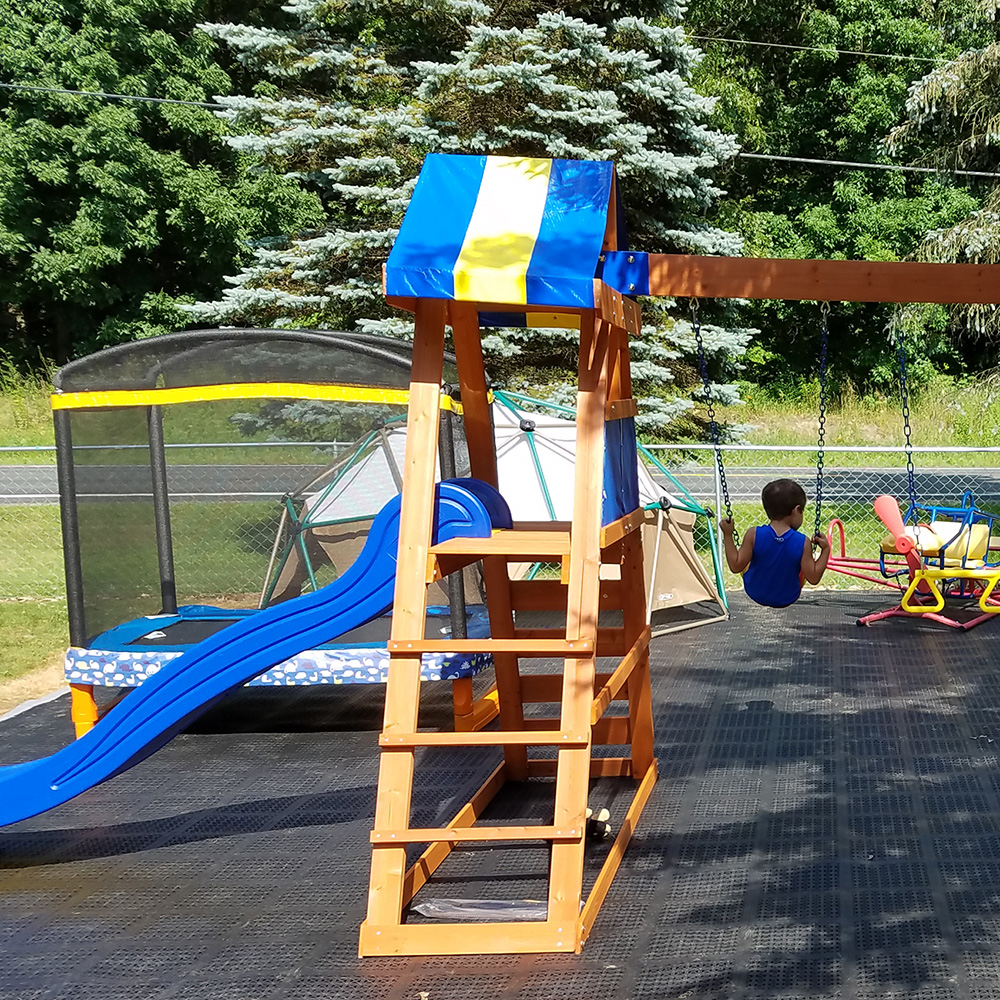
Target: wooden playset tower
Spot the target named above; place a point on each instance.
(523, 237)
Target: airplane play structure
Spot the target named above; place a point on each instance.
(538, 242)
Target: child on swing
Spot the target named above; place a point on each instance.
(776, 557)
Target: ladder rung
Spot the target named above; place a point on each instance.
(527, 738)
(431, 835)
(523, 647)
(507, 543)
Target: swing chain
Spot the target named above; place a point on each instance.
(905, 396)
(824, 337)
(707, 385)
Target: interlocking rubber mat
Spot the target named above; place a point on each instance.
(826, 825)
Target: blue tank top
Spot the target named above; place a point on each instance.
(773, 577)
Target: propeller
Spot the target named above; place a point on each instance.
(887, 509)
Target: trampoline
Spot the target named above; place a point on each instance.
(167, 538)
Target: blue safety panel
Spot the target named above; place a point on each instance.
(627, 271)
(621, 473)
(189, 685)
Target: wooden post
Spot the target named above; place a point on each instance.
(402, 699)
(573, 772)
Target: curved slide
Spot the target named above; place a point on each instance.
(190, 684)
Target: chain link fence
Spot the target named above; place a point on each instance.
(852, 478)
(225, 504)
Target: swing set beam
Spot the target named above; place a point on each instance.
(701, 277)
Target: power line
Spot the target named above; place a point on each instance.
(818, 48)
(869, 166)
(109, 97)
(750, 156)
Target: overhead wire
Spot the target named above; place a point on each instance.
(819, 48)
(870, 166)
(109, 96)
(216, 106)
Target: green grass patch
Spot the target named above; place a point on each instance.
(32, 633)
(31, 561)
(25, 414)
(947, 413)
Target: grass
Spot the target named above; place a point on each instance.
(946, 413)
(25, 415)
(32, 634)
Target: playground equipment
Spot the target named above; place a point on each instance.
(947, 553)
(934, 551)
(138, 535)
(188, 686)
(324, 520)
(519, 236)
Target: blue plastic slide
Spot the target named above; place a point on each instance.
(190, 684)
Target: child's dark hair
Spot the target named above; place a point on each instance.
(781, 497)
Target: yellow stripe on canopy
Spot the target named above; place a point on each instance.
(493, 262)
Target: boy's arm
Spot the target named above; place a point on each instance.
(738, 559)
(813, 568)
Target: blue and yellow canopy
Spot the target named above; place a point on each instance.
(502, 229)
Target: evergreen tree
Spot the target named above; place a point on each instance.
(952, 119)
(359, 93)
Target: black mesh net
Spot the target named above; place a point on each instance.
(234, 467)
(221, 357)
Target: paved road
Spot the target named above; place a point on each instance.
(37, 484)
(32, 484)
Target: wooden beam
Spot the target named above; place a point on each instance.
(614, 858)
(470, 938)
(600, 767)
(583, 600)
(537, 647)
(620, 409)
(614, 684)
(459, 834)
(550, 595)
(617, 530)
(821, 280)
(530, 544)
(500, 737)
(537, 689)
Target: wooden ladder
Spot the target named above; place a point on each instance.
(581, 546)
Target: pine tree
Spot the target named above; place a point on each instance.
(361, 92)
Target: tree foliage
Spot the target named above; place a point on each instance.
(109, 210)
(359, 93)
(953, 120)
(830, 106)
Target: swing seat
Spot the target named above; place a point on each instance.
(968, 548)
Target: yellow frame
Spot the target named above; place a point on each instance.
(237, 390)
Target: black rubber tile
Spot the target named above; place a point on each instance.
(826, 825)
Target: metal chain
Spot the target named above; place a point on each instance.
(904, 394)
(703, 365)
(824, 336)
